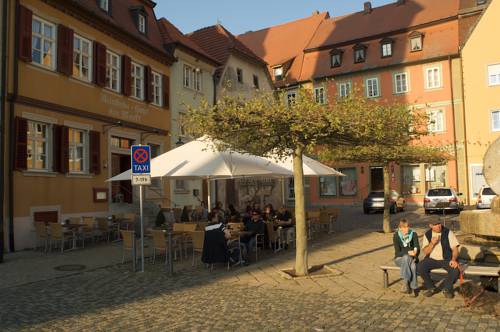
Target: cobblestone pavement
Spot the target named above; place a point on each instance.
(253, 298)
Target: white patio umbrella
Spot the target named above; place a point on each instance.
(199, 159)
(311, 167)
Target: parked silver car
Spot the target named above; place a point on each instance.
(442, 199)
(484, 198)
(375, 202)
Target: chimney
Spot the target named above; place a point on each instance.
(400, 2)
(368, 7)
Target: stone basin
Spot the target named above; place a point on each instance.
(480, 222)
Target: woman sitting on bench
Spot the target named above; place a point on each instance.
(406, 250)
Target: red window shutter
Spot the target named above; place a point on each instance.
(21, 146)
(25, 26)
(126, 75)
(56, 160)
(99, 64)
(166, 91)
(65, 50)
(64, 153)
(148, 84)
(95, 152)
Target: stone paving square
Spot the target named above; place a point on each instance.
(107, 296)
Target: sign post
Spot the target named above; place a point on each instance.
(141, 176)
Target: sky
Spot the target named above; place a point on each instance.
(240, 16)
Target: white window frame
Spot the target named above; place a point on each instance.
(187, 77)
(356, 52)
(278, 73)
(386, 49)
(434, 83)
(406, 76)
(344, 89)
(157, 88)
(32, 140)
(432, 127)
(43, 40)
(421, 46)
(493, 113)
(72, 145)
(104, 5)
(493, 75)
(79, 66)
(137, 81)
(110, 69)
(141, 23)
(197, 79)
(319, 95)
(333, 60)
(370, 86)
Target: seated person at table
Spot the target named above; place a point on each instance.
(232, 213)
(254, 226)
(406, 250)
(269, 213)
(256, 207)
(284, 220)
(218, 246)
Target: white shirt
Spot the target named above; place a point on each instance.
(437, 250)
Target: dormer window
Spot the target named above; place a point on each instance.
(104, 5)
(141, 23)
(336, 58)
(386, 47)
(359, 53)
(416, 41)
(140, 17)
(278, 73)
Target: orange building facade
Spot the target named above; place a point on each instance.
(412, 58)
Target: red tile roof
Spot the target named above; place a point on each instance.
(172, 37)
(439, 41)
(384, 19)
(121, 17)
(284, 44)
(219, 43)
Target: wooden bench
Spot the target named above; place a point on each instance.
(469, 270)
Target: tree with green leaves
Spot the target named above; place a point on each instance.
(274, 123)
(398, 132)
(279, 124)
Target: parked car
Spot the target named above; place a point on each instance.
(484, 198)
(375, 202)
(442, 199)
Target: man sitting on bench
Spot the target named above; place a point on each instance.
(440, 247)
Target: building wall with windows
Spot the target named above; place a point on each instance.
(192, 83)
(481, 85)
(84, 85)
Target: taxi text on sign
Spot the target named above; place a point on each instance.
(141, 165)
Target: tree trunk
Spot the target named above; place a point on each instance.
(301, 265)
(387, 201)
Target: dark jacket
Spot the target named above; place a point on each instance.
(445, 242)
(400, 250)
(215, 246)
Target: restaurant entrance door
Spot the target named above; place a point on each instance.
(121, 191)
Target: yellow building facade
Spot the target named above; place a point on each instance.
(481, 86)
(87, 79)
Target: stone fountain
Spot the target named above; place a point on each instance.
(483, 226)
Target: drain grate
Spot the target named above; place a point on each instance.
(70, 267)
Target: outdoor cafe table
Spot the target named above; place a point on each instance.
(75, 229)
